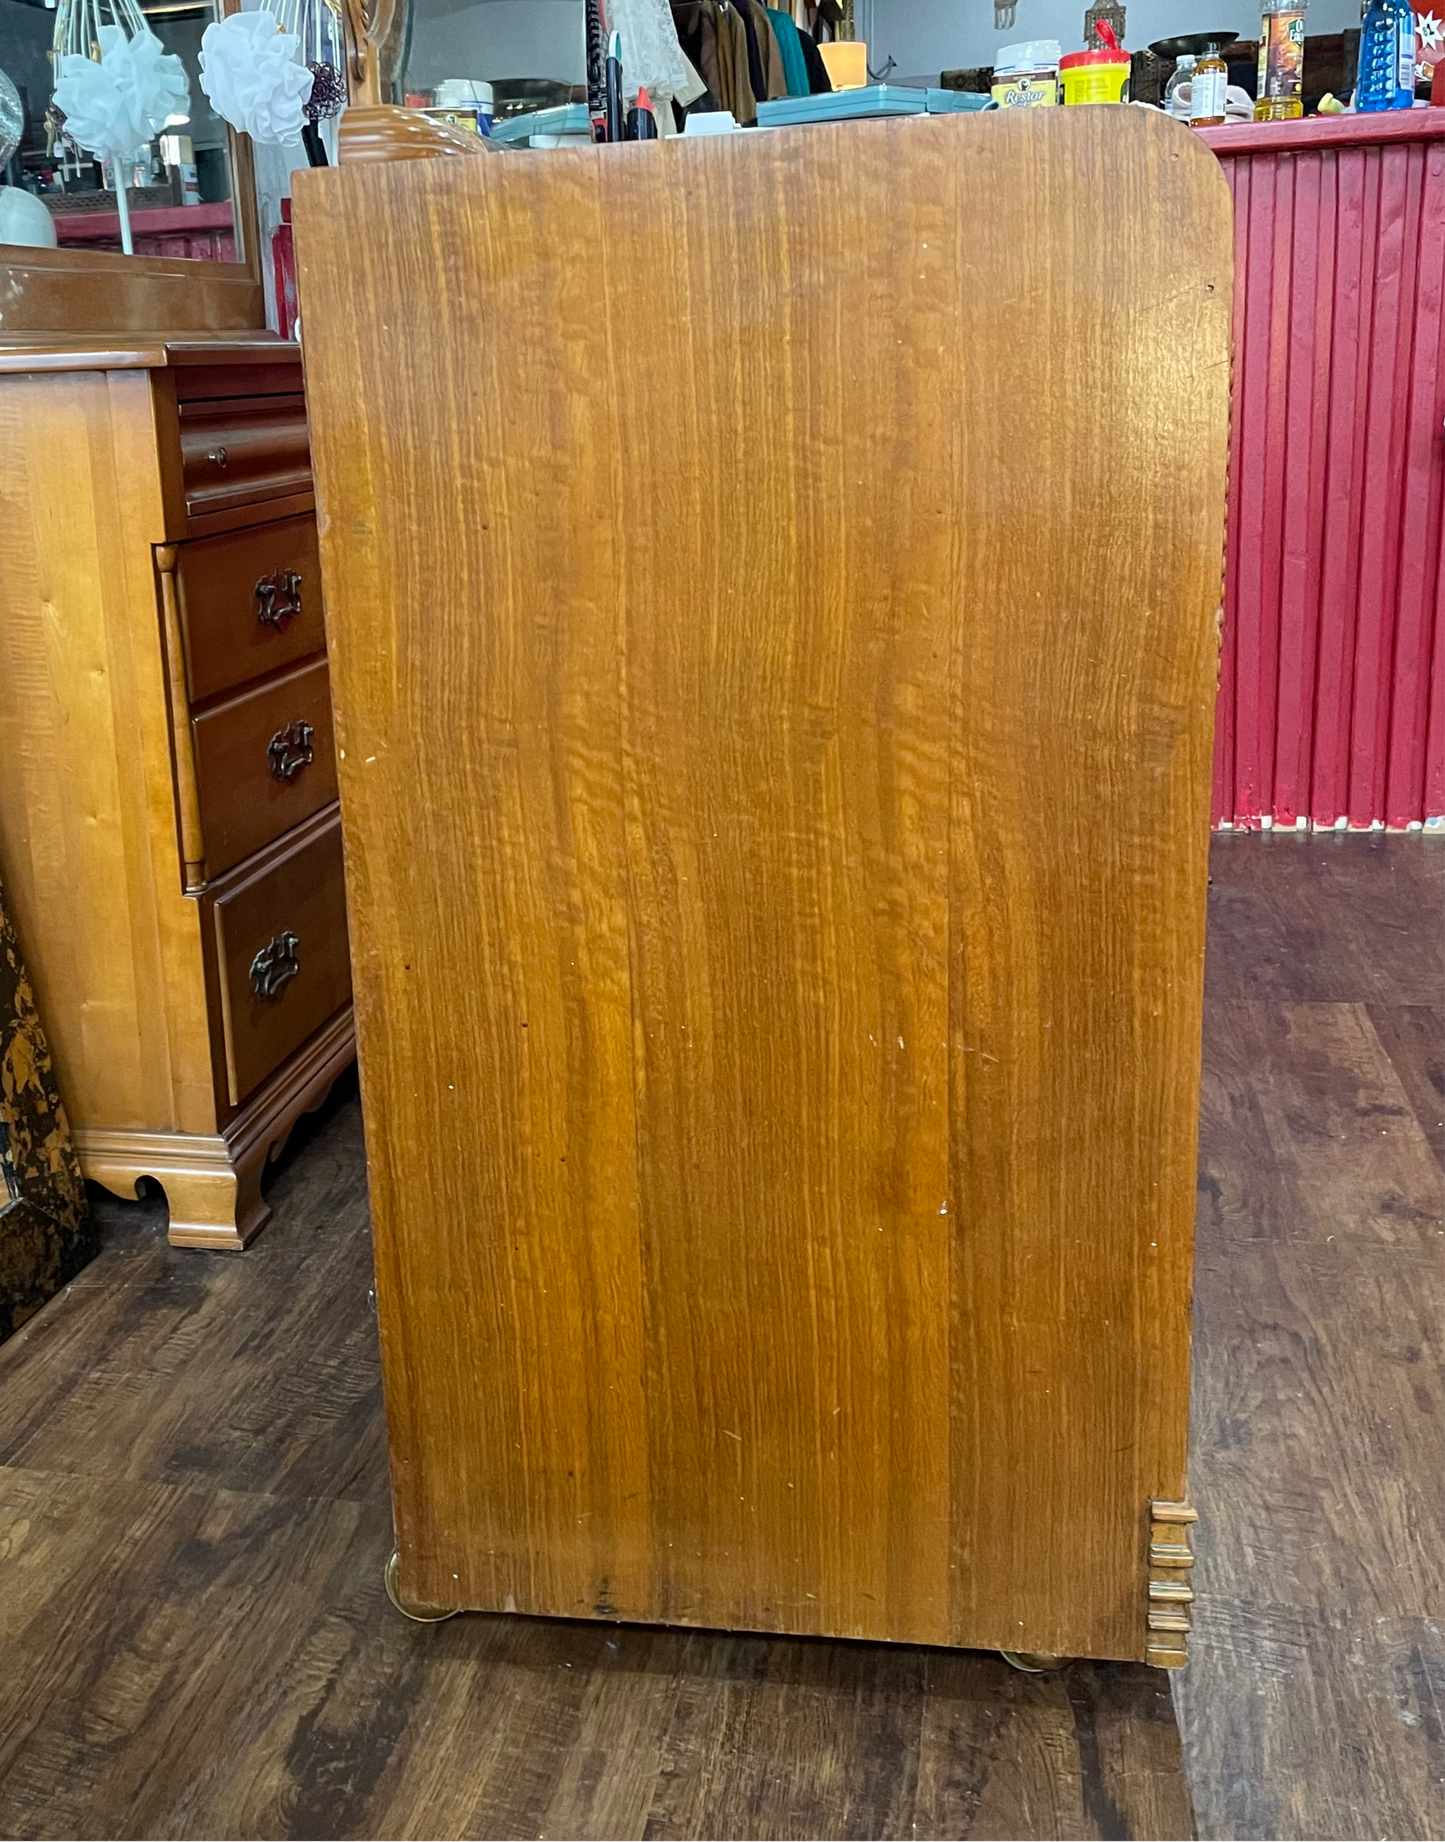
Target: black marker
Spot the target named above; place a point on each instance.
(613, 87)
(641, 122)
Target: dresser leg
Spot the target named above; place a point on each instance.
(223, 1209)
(213, 1181)
(213, 1195)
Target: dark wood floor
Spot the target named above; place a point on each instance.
(193, 1513)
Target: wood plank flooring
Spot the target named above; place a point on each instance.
(1315, 1702)
(194, 1639)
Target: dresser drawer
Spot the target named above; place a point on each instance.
(281, 378)
(264, 761)
(240, 451)
(281, 951)
(249, 601)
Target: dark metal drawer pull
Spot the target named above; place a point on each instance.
(218, 455)
(290, 750)
(274, 965)
(278, 598)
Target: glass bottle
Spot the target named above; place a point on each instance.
(1207, 84)
(1281, 61)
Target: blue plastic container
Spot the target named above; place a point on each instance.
(842, 105)
(1386, 77)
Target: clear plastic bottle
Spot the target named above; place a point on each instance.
(1386, 77)
(1183, 73)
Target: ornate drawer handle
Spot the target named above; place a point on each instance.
(218, 455)
(278, 598)
(274, 965)
(290, 750)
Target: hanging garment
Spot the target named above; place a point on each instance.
(774, 76)
(757, 77)
(795, 70)
(819, 82)
(651, 53)
(714, 39)
(696, 23)
(673, 113)
(734, 76)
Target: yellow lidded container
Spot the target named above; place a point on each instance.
(1095, 76)
(1099, 75)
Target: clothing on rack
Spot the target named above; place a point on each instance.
(736, 47)
(714, 41)
(765, 63)
(698, 40)
(795, 70)
(652, 57)
(819, 82)
(775, 73)
(694, 94)
(737, 92)
(757, 82)
(696, 23)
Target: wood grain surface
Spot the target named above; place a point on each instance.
(1313, 1704)
(88, 821)
(193, 1518)
(775, 781)
(193, 1523)
(299, 889)
(244, 803)
(58, 291)
(226, 643)
(104, 830)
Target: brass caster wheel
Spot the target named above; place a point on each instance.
(1034, 1662)
(419, 1614)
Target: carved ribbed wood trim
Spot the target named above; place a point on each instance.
(1171, 1557)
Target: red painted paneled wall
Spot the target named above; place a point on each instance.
(1332, 680)
(203, 233)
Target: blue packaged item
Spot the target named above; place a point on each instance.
(566, 118)
(1386, 77)
(842, 105)
(1405, 39)
(957, 102)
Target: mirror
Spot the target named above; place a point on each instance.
(521, 54)
(182, 190)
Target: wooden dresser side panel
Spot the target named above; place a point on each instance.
(88, 844)
(775, 786)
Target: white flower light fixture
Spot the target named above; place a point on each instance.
(112, 105)
(251, 71)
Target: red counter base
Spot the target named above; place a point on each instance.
(204, 233)
(1332, 683)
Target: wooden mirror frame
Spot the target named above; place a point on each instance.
(49, 291)
(101, 291)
